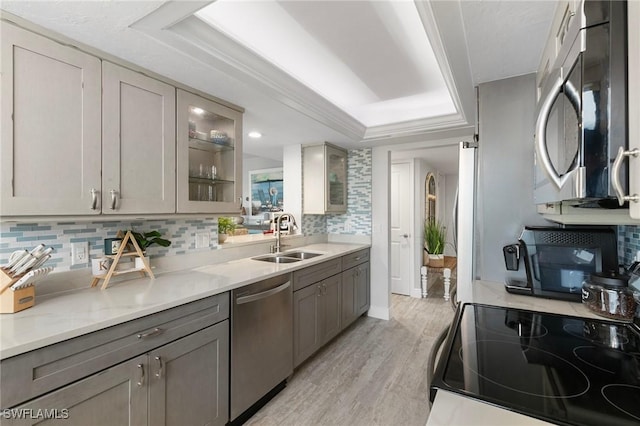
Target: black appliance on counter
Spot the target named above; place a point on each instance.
(564, 370)
(558, 260)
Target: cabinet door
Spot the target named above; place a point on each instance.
(306, 322)
(114, 397)
(336, 180)
(138, 143)
(362, 289)
(331, 307)
(50, 119)
(189, 379)
(349, 310)
(209, 152)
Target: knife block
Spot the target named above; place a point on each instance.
(18, 300)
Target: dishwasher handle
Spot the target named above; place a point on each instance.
(263, 294)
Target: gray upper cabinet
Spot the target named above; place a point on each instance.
(209, 151)
(324, 175)
(138, 143)
(50, 149)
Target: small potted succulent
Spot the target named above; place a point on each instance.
(434, 241)
(226, 226)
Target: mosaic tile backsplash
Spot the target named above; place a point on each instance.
(628, 243)
(357, 220)
(60, 235)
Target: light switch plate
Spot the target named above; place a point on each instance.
(203, 240)
(80, 253)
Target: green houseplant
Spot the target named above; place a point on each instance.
(434, 241)
(145, 239)
(226, 225)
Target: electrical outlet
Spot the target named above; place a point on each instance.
(203, 240)
(79, 253)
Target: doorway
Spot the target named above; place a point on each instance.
(401, 194)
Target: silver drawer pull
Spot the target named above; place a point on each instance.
(153, 332)
(141, 379)
(358, 258)
(114, 198)
(159, 373)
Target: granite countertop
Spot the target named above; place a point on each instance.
(62, 316)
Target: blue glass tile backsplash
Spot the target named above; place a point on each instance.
(60, 235)
(628, 243)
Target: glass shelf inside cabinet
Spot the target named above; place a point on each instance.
(211, 156)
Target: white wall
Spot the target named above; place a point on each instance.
(380, 236)
(292, 182)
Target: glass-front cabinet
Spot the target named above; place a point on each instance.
(209, 156)
(324, 174)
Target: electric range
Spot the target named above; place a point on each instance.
(560, 369)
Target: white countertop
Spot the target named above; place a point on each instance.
(62, 316)
(454, 409)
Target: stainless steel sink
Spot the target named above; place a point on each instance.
(301, 254)
(277, 259)
(287, 257)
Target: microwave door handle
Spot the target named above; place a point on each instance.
(541, 137)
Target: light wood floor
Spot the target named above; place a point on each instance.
(374, 373)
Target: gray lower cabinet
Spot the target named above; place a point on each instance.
(356, 297)
(316, 317)
(169, 368)
(183, 383)
(189, 379)
(327, 298)
(110, 398)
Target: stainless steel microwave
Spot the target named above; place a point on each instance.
(582, 111)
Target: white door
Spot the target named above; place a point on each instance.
(466, 218)
(138, 143)
(401, 206)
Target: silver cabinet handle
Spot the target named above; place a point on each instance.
(153, 332)
(319, 291)
(405, 235)
(114, 198)
(357, 272)
(94, 199)
(324, 289)
(159, 373)
(141, 379)
(615, 175)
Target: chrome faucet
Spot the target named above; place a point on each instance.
(276, 248)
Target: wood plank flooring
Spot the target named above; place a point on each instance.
(374, 373)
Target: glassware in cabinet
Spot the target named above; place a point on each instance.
(209, 155)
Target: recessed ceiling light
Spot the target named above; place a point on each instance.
(197, 110)
(255, 135)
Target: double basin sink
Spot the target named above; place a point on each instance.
(287, 257)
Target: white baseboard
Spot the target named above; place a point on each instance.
(416, 292)
(379, 312)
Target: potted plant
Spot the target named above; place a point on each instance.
(226, 225)
(144, 240)
(434, 241)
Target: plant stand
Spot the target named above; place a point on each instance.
(145, 269)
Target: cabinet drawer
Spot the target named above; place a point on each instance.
(313, 274)
(353, 259)
(31, 374)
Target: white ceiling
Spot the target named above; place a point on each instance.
(473, 42)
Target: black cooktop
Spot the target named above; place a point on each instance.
(560, 369)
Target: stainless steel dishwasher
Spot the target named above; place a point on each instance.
(261, 343)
